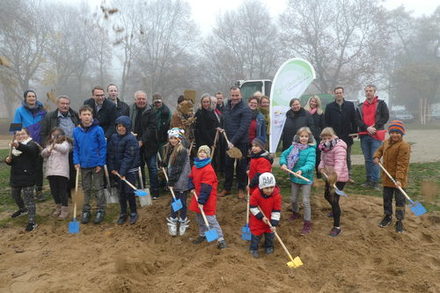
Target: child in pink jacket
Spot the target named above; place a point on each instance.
(333, 156)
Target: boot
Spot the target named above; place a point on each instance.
(57, 211)
(133, 218)
(294, 216)
(241, 194)
(307, 228)
(122, 219)
(85, 217)
(99, 217)
(386, 221)
(172, 226)
(224, 193)
(184, 223)
(64, 213)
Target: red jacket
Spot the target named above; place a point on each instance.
(271, 207)
(204, 179)
(259, 164)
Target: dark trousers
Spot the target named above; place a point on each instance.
(72, 175)
(26, 202)
(126, 193)
(388, 193)
(39, 173)
(142, 166)
(318, 160)
(268, 240)
(182, 195)
(333, 200)
(58, 189)
(219, 155)
(240, 169)
(151, 162)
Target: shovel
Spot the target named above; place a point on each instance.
(297, 175)
(211, 234)
(294, 262)
(144, 200)
(245, 230)
(337, 190)
(111, 194)
(177, 203)
(73, 226)
(137, 192)
(233, 152)
(214, 144)
(416, 207)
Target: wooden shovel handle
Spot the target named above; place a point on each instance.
(141, 183)
(77, 179)
(395, 183)
(214, 144)
(126, 181)
(326, 177)
(201, 210)
(166, 178)
(297, 175)
(226, 137)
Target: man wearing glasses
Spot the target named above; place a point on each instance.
(103, 110)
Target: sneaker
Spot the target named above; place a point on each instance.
(64, 213)
(184, 223)
(172, 226)
(294, 216)
(386, 221)
(155, 197)
(85, 217)
(399, 227)
(122, 219)
(375, 186)
(31, 226)
(222, 244)
(133, 218)
(99, 217)
(307, 228)
(268, 250)
(254, 253)
(335, 232)
(57, 211)
(241, 194)
(19, 213)
(224, 193)
(39, 196)
(366, 184)
(199, 239)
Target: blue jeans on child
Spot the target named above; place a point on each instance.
(268, 240)
(369, 145)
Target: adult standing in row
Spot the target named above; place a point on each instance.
(206, 123)
(30, 114)
(220, 102)
(371, 117)
(257, 128)
(218, 157)
(313, 106)
(163, 119)
(237, 118)
(296, 118)
(103, 110)
(122, 108)
(341, 116)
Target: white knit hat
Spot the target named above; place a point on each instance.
(266, 180)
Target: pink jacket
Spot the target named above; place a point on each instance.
(336, 158)
(57, 163)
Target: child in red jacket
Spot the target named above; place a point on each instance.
(267, 198)
(261, 162)
(205, 183)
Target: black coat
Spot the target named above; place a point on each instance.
(318, 122)
(236, 122)
(149, 132)
(122, 109)
(23, 167)
(205, 128)
(51, 120)
(342, 119)
(106, 116)
(295, 121)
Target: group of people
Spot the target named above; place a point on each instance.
(107, 135)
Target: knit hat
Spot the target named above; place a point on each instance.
(396, 126)
(176, 132)
(259, 142)
(205, 149)
(266, 180)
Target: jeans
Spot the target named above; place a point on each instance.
(369, 145)
(151, 162)
(93, 186)
(388, 193)
(240, 169)
(126, 193)
(306, 191)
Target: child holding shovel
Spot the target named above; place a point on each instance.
(204, 183)
(23, 175)
(123, 158)
(56, 153)
(333, 155)
(267, 198)
(261, 162)
(178, 168)
(300, 158)
(395, 153)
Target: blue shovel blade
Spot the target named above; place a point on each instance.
(340, 192)
(211, 235)
(74, 227)
(417, 208)
(139, 192)
(176, 205)
(246, 233)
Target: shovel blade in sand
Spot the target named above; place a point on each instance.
(211, 235)
(140, 193)
(295, 263)
(246, 233)
(340, 192)
(74, 227)
(145, 200)
(111, 196)
(176, 205)
(417, 208)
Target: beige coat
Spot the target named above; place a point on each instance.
(57, 160)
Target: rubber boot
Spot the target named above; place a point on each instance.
(172, 226)
(184, 223)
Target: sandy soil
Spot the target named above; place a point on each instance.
(144, 258)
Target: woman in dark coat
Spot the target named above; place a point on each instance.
(206, 123)
(296, 118)
(313, 106)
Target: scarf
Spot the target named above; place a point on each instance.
(201, 163)
(293, 156)
(328, 145)
(254, 114)
(313, 111)
(16, 152)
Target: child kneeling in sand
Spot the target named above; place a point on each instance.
(265, 202)
(205, 184)
(395, 153)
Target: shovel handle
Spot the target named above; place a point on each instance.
(77, 179)
(126, 181)
(326, 177)
(226, 137)
(166, 178)
(395, 183)
(201, 210)
(141, 182)
(214, 144)
(297, 175)
(247, 206)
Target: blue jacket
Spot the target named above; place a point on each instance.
(89, 146)
(261, 127)
(236, 122)
(123, 150)
(305, 163)
(31, 119)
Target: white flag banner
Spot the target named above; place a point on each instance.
(290, 81)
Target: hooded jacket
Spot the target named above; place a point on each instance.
(271, 207)
(89, 147)
(336, 158)
(260, 163)
(23, 167)
(106, 116)
(123, 150)
(205, 183)
(31, 119)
